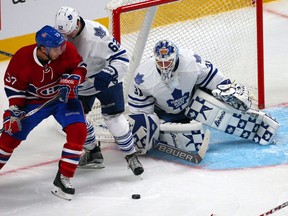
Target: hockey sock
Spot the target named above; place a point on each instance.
(72, 149)
(7, 146)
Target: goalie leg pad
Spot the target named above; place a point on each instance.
(145, 130)
(253, 125)
(188, 136)
(266, 130)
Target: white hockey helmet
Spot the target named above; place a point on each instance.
(66, 20)
(166, 56)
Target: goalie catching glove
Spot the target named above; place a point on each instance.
(69, 87)
(233, 94)
(12, 120)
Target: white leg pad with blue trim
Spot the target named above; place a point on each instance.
(188, 136)
(253, 124)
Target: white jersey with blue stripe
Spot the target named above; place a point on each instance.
(99, 51)
(149, 91)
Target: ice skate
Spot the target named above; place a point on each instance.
(62, 187)
(92, 159)
(134, 164)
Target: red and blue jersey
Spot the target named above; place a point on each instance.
(26, 80)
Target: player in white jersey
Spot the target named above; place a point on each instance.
(168, 85)
(107, 61)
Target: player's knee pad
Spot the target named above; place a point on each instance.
(112, 100)
(188, 136)
(145, 130)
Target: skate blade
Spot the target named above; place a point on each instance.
(92, 166)
(59, 193)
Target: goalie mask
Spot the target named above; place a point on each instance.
(166, 56)
(66, 20)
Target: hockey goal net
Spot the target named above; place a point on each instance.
(229, 33)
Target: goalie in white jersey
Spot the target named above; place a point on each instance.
(107, 61)
(165, 85)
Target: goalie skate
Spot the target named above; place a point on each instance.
(62, 187)
(134, 164)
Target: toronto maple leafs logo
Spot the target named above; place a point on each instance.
(178, 100)
(70, 17)
(99, 32)
(139, 79)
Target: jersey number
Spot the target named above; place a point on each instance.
(10, 79)
(114, 46)
(137, 91)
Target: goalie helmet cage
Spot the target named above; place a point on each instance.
(229, 33)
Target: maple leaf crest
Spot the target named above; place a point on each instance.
(178, 100)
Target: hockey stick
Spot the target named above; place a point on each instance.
(6, 53)
(32, 112)
(275, 209)
(184, 155)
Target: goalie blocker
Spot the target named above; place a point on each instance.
(252, 124)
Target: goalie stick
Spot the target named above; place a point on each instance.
(32, 112)
(6, 53)
(184, 155)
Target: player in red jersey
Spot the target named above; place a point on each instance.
(36, 74)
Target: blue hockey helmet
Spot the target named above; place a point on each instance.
(49, 37)
(166, 55)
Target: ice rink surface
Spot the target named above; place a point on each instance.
(236, 178)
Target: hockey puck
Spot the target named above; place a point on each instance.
(136, 196)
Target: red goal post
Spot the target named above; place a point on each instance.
(228, 33)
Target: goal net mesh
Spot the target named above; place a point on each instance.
(221, 31)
